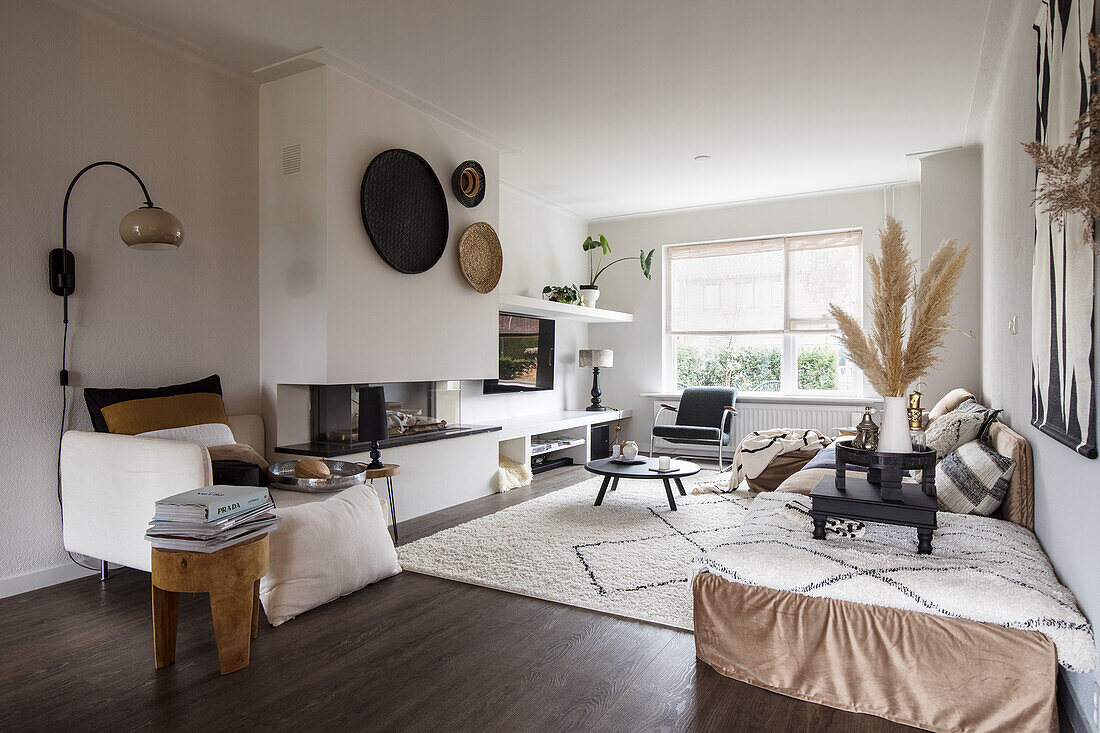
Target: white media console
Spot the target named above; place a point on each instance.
(519, 436)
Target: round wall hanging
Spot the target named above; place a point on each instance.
(468, 183)
(404, 210)
(480, 256)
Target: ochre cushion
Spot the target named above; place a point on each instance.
(158, 413)
(141, 418)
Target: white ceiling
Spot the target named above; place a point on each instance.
(601, 105)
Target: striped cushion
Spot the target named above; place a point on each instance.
(973, 479)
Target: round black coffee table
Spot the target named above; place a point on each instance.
(612, 471)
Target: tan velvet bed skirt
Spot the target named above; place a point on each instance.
(933, 672)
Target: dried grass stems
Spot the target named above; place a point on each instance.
(1068, 181)
(890, 361)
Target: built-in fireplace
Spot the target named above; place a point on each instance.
(416, 412)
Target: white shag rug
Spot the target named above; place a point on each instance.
(631, 557)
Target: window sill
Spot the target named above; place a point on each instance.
(779, 399)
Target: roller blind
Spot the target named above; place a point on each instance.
(770, 285)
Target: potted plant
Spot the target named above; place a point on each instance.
(561, 294)
(590, 293)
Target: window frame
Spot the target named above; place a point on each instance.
(788, 337)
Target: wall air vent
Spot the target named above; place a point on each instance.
(292, 159)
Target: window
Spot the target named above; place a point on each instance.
(712, 296)
(753, 314)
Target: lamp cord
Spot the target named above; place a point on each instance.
(61, 430)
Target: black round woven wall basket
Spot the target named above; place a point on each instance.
(468, 183)
(404, 211)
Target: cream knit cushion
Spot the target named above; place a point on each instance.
(324, 550)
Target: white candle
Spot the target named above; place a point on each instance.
(665, 463)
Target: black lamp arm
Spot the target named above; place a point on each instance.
(69, 190)
(63, 275)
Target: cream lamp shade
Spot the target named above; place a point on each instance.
(151, 228)
(596, 357)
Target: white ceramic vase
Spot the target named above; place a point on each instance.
(630, 450)
(893, 436)
(589, 295)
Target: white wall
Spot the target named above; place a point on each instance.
(950, 208)
(76, 90)
(385, 326)
(542, 246)
(1067, 486)
(332, 309)
(638, 347)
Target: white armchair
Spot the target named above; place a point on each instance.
(109, 484)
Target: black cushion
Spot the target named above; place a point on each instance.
(705, 406)
(689, 433)
(237, 473)
(97, 399)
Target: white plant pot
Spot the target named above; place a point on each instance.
(893, 436)
(589, 296)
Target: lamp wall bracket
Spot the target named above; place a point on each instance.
(62, 272)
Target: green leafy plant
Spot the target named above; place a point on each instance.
(748, 367)
(645, 260)
(562, 294)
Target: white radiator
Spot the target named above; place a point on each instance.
(764, 416)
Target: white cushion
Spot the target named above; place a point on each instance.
(965, 423)
(207, 434)
(324, 550)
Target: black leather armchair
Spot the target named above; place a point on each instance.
(703, 417)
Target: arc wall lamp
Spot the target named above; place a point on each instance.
(147, 227)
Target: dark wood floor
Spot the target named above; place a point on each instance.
(409, 653)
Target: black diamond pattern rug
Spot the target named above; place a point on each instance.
(632, 556)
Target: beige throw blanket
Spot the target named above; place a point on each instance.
(237, 452)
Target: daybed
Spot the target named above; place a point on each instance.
(925, 669)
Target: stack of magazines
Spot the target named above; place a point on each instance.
(211, 518)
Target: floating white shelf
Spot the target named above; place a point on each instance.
(524, 306)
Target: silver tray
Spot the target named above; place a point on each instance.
(344, 474)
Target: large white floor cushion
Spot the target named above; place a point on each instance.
(324, 550)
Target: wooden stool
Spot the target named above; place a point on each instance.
(231, 577)
(387, 472)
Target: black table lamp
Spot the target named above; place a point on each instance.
(373, 424)
(595, 358)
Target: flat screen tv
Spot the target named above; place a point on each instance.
(525, 355)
